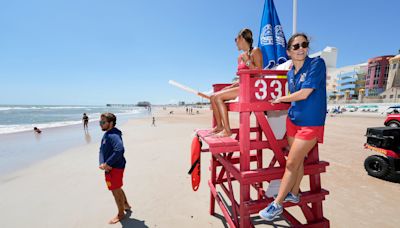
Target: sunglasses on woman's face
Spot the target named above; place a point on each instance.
(236, 39)
(297, 46)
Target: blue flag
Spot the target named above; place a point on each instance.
(272, 41)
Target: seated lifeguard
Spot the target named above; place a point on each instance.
(250, 58)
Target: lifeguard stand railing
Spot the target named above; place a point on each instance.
(240, 159)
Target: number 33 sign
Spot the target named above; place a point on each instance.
(265, 89)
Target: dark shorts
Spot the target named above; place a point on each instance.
(114, 178)
(305, 132)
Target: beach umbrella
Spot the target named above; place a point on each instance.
(272, 40)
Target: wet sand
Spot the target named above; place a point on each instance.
(22, 149)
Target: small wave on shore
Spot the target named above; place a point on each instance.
(19, 118)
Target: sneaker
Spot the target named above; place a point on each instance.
(290, 198)
(271, 212)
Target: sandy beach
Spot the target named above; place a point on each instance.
(68, 190)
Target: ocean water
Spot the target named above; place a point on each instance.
(61, 126)
(19, 118)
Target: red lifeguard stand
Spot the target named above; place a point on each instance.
(241, 159)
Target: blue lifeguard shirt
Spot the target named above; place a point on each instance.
(311, 111)
(112, 149)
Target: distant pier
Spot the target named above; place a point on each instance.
(121, 105)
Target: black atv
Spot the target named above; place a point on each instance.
(386, 141)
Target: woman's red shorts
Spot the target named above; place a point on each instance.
(304, 132)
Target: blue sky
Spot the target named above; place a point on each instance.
(125, 51)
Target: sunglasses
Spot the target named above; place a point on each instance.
(102, 122)
(297, 46)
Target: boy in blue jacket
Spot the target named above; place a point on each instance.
(112, 161)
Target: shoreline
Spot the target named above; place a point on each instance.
(21, 149)
(19, 128)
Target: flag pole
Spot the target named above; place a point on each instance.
(294, 16)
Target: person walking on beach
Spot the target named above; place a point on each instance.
(305, 122)
(250, 58)
(154, 122)
(85, 120)
(112, 161)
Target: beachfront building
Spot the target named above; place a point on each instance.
(350, 79)
(329, 54)
(392, 93)
(377, 76)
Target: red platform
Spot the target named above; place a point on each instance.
(232, 157)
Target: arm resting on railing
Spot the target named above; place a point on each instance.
(296, 96)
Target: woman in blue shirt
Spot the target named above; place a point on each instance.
(305, 122)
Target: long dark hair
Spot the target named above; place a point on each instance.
(247, 36)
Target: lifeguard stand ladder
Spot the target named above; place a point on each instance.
(232, 158)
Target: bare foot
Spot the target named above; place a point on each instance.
(214, 131)
(116, 219)
(127, 207)
(222, 134)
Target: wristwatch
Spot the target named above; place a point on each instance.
(248, 62)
